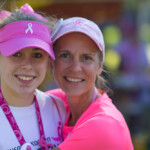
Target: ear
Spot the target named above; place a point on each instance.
(100, 68)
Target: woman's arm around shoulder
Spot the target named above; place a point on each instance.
(56, 148)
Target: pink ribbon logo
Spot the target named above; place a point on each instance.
(29, 28)
(44, 145)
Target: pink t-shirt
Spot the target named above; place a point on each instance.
(100, 127)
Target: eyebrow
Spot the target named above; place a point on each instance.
(36, 48)
(90, 53)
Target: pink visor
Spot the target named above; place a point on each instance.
(22, 34)
(82, 25)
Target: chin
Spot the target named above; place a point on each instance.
(73, 92)
(25, 90)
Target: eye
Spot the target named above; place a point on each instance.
(37, 55)
(64, 56)
(87, 58)
(18, 54)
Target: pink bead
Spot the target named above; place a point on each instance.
(28, 147)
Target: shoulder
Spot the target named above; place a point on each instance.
(104, 126)
(105, 107)
(43, 96)
(100, 124)
(57, 92)
(105, 114)
(102, 133)
(49, 101)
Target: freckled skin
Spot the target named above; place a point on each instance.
(76, 57)
(31, 63)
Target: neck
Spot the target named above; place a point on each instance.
(16, 99)
(78, 104)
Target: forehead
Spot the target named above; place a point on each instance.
(32, 48)
(76, 41)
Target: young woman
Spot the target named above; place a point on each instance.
(29, 119)
(93, 123)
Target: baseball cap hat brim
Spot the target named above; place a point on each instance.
(79, 31)
(18, 44)
(81, 25)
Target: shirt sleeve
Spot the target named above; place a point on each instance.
(97, 133)
(57, 92)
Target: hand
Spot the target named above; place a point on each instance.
(56, 148)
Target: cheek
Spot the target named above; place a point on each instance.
(57, 67)
(92, 72)
(6, 69)
(42, 67)
(57, 71)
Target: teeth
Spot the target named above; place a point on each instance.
(74, 80)
(25, 78)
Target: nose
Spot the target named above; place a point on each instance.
(76, 65)
(27, 64)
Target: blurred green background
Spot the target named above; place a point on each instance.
(126, 28)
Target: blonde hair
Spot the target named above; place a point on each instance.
(21, 16)
(101, 83)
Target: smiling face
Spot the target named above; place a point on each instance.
(24, 71)
(77, 64)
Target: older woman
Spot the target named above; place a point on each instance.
(93, 120)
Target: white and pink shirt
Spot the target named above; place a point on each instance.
(53, 115)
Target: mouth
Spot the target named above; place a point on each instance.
(75, 80)
(25, 78)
